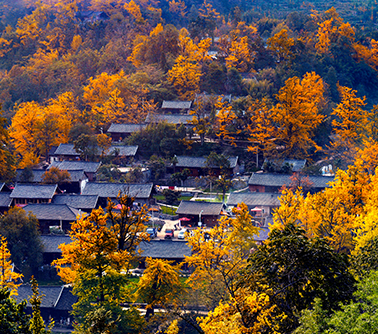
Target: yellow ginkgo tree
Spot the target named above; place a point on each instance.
(160, 284)
(8, 277)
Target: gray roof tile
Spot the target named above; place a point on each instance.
(194, 208)
(112, 189)
(165, 249)
(66, 149)
(200, 162)
(37, 175)
(57, 297)
(51, 294)
(125, 128)
(297, 165)
(254, 199)
(86, 166)
(51, 243)
(76, 175)
(29, 191)
(278, 180)
(172, 119)
(5, 199)
(84, 202)
(53, 211)
(176, 105)
(124, 150)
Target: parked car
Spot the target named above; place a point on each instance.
(152, 231)
(169, 234)
(182, 234)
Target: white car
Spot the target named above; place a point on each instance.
(182, 233)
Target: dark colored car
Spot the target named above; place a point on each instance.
(152, 232)
(169, 234)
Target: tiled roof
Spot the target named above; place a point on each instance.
(53, 211)
(51, 294)
(57, 297)
(86, 166)
(297, 165)
(125, 128)
(84, 202)
(51, 243)
(194, 208)
(254, 199)
(278, 180)
(200, 162)
(66, 149)
(172, 119)
(76, 175)
(40, 191)
(176, 105)
(165, 249)
(37, 175)
(66, 300)
(5, 199)
(262, 235)
(112, 189)
(124, 150)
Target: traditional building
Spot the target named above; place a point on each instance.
(197, 166)
(59, 216)
(192, 212)
(141, 192)
(272, 183)
(24, 194)
(182, 107)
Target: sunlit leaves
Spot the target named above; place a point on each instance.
(8, 277)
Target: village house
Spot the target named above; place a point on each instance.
(170, 250)
(174, 107)
(260, 205)
(90, 168)
(56, 303)
(119, 132)
(141, 192)
(197, 166)
(176, 120)
(5, 199)
(76, 183)
(59, 216)
(273, 183)
(207, 213)
(67, 152)
(84, 203)
(24, 194)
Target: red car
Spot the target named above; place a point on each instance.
(169, 234)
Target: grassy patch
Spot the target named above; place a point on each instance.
(168, 210)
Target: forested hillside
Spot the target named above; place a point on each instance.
(69, 64)
(264, 81)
